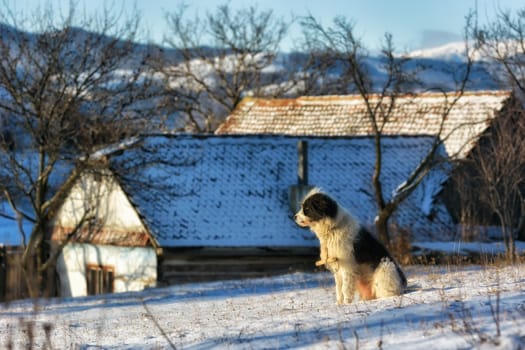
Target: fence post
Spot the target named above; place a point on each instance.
(3, 272)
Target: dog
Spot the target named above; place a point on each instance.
(358, 261)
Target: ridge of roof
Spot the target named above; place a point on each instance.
(243, 137)
(352, 98)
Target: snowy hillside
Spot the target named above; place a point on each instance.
(445, 308)
(451, 52)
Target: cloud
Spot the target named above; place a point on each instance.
(433, 38)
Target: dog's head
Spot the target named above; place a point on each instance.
(316, 207)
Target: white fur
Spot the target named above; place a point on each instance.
(386, 281)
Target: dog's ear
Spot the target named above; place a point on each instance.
(319, 206)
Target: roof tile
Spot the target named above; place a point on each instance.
(347, 115)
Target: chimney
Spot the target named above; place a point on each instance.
(302, 169)
(298, 191)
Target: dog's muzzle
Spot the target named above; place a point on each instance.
(298, 221)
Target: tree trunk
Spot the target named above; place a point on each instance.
(508, 239)
(520, 230)
(511, 249)
(381, 224)
(31, 260)
(30, 276)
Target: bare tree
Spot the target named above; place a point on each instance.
(224, 56)
(63, 93)
(503, 42)
(380, 98)
(497, 166)
(493, 177)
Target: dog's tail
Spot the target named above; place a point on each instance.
(388, 279)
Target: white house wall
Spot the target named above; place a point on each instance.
(111, 206)
(135, 268)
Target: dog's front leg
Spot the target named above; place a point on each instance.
(324, 253)
(347, 287)
(338, 287)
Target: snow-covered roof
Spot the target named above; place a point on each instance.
(347, 115)
(233, 191)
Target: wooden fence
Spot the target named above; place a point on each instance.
(12, 280)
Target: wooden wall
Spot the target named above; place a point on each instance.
(184, 265)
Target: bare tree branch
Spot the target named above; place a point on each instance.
(224, 56)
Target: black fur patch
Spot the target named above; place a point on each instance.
(319, 206)
(368, 250)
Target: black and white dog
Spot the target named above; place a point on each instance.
(357, 259)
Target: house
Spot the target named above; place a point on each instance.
(108, 253)
(105, 245)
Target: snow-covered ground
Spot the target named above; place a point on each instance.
(445, 308)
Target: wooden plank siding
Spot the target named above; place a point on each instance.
(185, 265)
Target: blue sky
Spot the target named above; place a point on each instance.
(413, 23)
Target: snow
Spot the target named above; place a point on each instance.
(109, 150)
(450, 52)
(445, 308)
(465, 248)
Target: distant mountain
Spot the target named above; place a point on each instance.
(443, 60)
(436, 61)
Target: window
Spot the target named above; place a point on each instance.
(99, 279)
